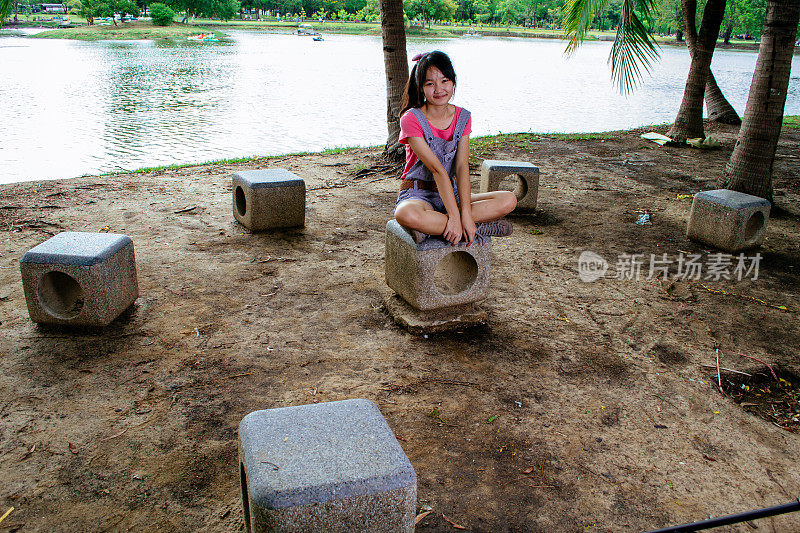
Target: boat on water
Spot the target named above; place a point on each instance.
(203, 38)
(305, 29)
(318, 38)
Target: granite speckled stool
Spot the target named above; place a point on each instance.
(527, 189)
(433, 274)
(269, 199)
(728, 220)
(80, 279)
(325, 467)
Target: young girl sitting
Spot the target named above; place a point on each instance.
(435, 193)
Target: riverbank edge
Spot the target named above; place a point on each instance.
(344, 29)
(478, 144)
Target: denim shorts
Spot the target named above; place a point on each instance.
(431, 197)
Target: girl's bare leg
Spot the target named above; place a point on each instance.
(420, 216)
(488, 206)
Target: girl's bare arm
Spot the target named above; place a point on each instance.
(464, 188)
(453, 231)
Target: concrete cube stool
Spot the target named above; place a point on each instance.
(433, 274)
(80, 279)
(729, 220)
(527, 189)
(325, 467)
(269, 199)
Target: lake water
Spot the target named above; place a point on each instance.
(72, 108)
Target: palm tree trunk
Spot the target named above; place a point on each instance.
(749, 169)
(395, 60)
(689, 122)
(718, 107)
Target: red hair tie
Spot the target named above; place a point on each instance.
(418, 57)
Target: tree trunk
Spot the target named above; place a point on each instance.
(689, 122)
(726, 36)
(749, 169)
(395, 60)
(719, 109)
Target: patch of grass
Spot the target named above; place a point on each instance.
(131, 31)
(580, 136)
(333, 150)
(229, 161)
(791, 122)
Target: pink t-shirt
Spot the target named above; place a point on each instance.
(410, 127)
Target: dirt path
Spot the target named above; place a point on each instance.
(582, 407)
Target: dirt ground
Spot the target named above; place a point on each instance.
(583, 406)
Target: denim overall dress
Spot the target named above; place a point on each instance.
(424, 185)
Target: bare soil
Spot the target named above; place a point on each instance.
(581, 407)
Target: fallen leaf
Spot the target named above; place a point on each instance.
(457, 526)
(528, 470)
(421, 516)
(72, 448)
(707, 458)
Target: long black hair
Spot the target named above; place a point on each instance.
(413, 95)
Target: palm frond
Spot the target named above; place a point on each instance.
(4, 5)
(634, 48)
(579, 15)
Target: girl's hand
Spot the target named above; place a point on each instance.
(468, 226)
(453, 230)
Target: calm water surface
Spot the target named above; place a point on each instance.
(72, 108)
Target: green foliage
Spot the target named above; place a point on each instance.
(791, 122)
(526, 12)
(745, 17)
(427, 10)
(371, 11)
(126, 7)
(161, 14)
(91, 9)
(223, 9)
(483, 9)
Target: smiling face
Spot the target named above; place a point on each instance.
(438, 88)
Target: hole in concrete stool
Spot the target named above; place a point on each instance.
(241, 201)
(516, 184)
(60, 295)
(455, 273)
(753, 227)
(245, 498)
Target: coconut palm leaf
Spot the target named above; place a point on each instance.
(4, 5)
(634, 48)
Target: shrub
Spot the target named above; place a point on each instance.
(161, 14)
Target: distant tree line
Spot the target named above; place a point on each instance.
(743, 18)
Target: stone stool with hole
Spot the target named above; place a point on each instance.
(728, 220)
(79, 279)
(433, 274)
(269, 199)
(437, 284)
(325, 467)
(527, 180)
